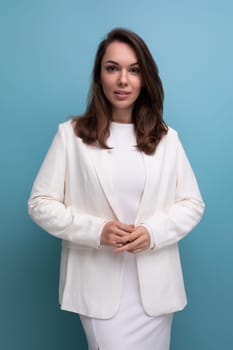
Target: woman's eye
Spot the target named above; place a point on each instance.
(111, 68)
(135, 70)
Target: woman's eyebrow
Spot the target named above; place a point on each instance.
(114, 62)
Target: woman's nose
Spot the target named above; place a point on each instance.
(122, 79)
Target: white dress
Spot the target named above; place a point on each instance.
(130, 328)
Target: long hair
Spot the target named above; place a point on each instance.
(93, 126)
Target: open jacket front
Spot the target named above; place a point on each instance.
(73, 196)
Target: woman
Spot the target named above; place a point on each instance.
(117, 188)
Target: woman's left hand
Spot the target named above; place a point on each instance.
(139, 240)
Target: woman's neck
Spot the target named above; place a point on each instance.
(122, 116)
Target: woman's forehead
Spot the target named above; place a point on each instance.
(121, 53)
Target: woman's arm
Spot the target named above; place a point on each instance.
(168, 226)
(46, 203)
(171, 225)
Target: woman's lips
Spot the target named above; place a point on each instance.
(121, 94)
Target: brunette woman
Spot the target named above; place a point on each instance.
(118, 189)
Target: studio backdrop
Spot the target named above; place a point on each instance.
(47, 51)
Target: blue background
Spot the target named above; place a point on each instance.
(47, 50)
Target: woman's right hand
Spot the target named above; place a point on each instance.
(115, 234)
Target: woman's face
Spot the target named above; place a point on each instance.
(121, 80)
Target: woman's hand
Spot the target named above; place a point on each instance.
(137, 241)
(115, 234)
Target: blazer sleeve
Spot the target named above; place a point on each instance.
(177, 220)
(46, 203)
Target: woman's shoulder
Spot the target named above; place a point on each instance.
(66, 128)
(171, 134)
(66, 131)
(171, 131)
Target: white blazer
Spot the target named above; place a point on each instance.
(73, 196)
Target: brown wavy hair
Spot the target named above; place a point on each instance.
(93, 126)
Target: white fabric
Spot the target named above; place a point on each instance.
(128, 170)
(73, 195)
(154, 335)
(130, 328)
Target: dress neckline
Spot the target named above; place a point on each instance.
(122, 135)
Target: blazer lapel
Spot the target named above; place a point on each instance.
(102, 165)
(153, 171)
